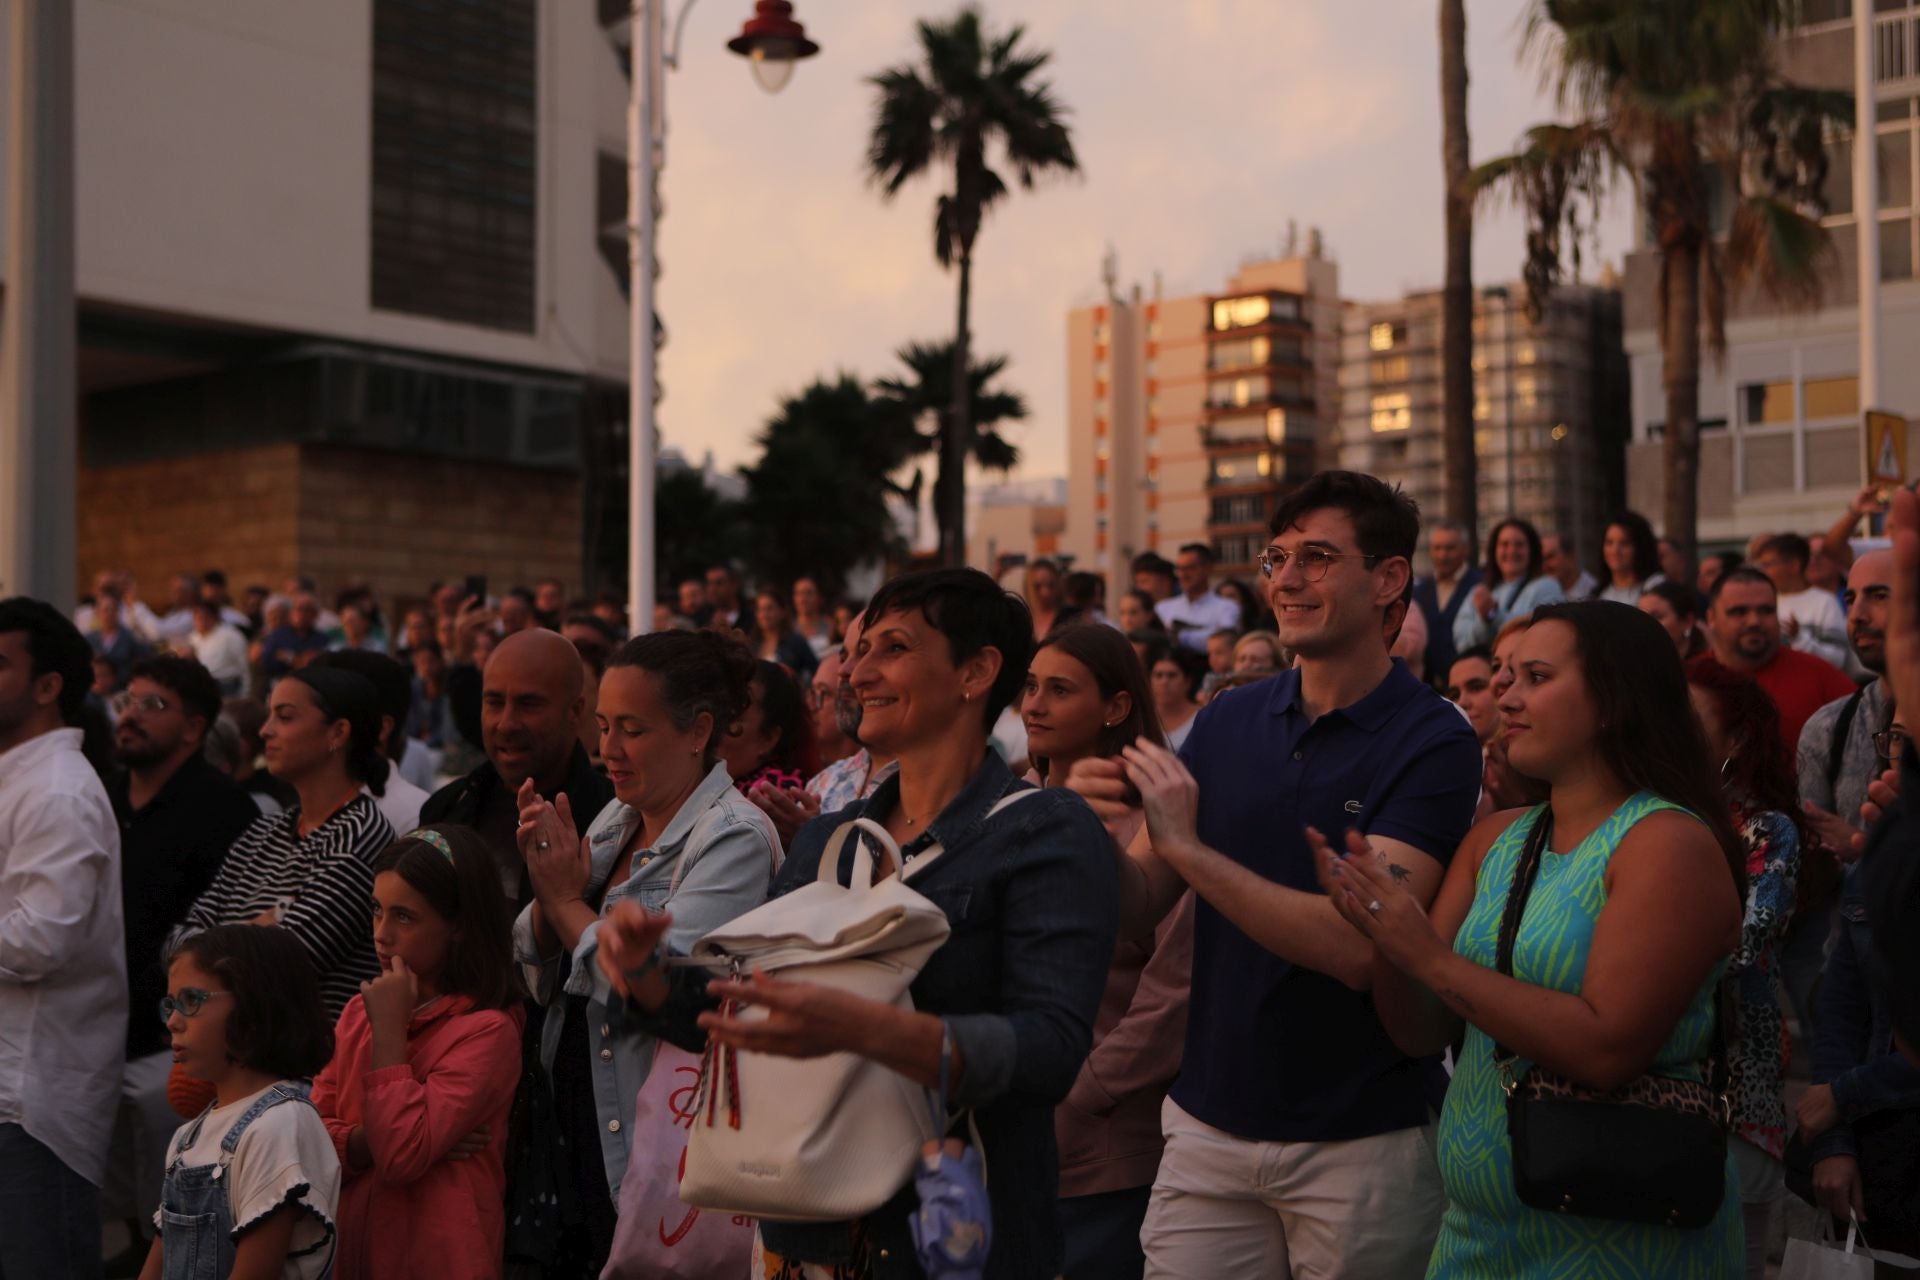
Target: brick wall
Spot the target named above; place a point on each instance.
(234, 510)
(394, 521)
(400, 522)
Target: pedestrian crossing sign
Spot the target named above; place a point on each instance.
(1886, 447)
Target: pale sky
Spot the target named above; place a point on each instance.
(1202, 127)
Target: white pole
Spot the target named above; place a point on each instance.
(38, 448)
(644, 49)
(1866, 202)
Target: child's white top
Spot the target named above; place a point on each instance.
(285, 1156)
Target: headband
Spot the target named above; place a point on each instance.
(426, 835)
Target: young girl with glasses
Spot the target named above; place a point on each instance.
(251, 1183)
(424, 1067)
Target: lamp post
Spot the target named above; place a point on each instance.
(772, 42)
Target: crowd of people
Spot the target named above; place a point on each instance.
(1280, 928)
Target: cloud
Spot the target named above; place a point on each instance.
(1203, 127)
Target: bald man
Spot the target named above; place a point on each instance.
(532, 700)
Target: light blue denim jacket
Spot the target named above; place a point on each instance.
(1510, 600)
(713, 863)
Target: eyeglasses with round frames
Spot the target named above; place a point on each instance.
(1890, 743)
(1313, 561)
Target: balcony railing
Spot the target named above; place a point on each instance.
(1896, 48)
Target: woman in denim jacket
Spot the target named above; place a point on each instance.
(1516, 585)
(1032, 898)
(676, 834)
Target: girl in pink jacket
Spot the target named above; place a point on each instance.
(424, 1067)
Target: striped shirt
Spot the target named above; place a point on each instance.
(321, 886)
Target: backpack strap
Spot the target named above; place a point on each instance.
(1842, 729)
(862, 855)
(935, 849)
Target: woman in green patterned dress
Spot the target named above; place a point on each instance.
(1634, 911)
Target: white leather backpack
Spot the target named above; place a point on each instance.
(818, 1139)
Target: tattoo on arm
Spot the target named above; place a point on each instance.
(1449, 996)
(1399, 873)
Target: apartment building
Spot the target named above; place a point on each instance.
(1550, 404)
(1189, 416)
(1782, 436)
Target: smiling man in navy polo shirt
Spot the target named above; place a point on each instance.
(1299, 1139)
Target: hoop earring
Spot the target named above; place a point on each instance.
(1726, 769)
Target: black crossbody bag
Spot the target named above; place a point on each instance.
(1653, 1151)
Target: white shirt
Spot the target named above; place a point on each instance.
(1821, 628)
(222, 651)
(1192, 621)
(401, 805)
(285, 1148)
(135, 617)
(63, 966)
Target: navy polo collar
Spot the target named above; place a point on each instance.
(1372, 711)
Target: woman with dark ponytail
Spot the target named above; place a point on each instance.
(310, 870)
(676, 835)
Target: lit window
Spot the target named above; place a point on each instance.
(1380, 337)
(1832, 398)
(1241, 313)
(1766, 403)
(1392, 411)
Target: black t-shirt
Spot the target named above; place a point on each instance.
(170, 851)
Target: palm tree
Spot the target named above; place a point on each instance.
(1683, 99)
(926, 395)
(968, 90)
(839, 439)
(1456, 306)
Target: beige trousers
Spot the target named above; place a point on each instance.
(1224, 1206)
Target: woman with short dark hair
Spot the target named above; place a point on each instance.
(1002, 1013)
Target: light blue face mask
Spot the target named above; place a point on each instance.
(953, 1227)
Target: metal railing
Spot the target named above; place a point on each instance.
(1896, 48)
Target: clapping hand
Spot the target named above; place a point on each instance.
(1170, 797)
(789, 808)
(1370, 894)
(558, 862)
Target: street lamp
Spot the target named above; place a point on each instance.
(772, 41)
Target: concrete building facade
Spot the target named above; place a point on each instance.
(339, 266)
(1550, 405)
(1782, 434)
(1188, 417)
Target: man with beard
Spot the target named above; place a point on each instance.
(1743, 626)
(531, 700)
(1837, 757)
(853, 777)
(178, 815)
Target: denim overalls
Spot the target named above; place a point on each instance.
(195, 1211)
